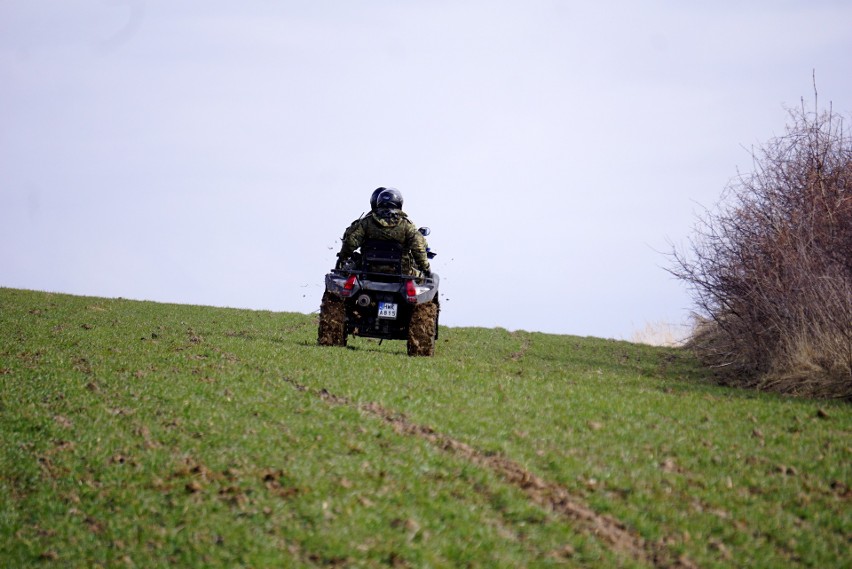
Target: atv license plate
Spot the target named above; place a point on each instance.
(387, 310)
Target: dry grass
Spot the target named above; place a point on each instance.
(664, 334)
(805, 366)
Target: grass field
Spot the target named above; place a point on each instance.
(137, 434)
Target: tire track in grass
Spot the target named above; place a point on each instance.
(548, 495)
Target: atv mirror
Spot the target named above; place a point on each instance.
(424, 231)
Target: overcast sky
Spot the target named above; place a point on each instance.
(213, 153)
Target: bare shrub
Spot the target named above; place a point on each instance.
(771, 269)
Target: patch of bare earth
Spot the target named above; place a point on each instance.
(548, 495)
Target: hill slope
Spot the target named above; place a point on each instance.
(146, 434)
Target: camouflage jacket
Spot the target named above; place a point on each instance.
(392, 225)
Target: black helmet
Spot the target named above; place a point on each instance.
(389, 198)
(375, 197)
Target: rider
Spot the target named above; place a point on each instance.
(373, 198)
(387, 221)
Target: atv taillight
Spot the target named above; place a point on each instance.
(411, 292)
(348, 285)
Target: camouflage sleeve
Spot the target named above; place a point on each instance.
(352, 238)
(417, 245)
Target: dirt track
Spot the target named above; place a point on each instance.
(546, 494)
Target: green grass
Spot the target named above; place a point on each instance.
(144, 434)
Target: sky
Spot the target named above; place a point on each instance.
(213, 153)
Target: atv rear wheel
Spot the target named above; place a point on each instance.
(423, 329)
(332, 322)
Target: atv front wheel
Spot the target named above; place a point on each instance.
(332, 322)
(422, 330)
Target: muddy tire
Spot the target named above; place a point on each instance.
(332, 322)
(423, 329)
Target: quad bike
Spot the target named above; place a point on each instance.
(370, 296)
